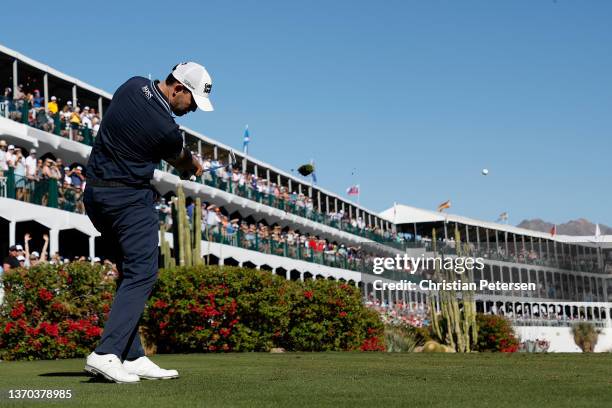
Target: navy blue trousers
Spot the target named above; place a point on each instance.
(127, 220)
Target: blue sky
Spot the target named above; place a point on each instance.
(417, 96)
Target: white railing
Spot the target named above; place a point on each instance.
(4, 109)
(3, 191)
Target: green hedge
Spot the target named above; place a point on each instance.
(59, 312)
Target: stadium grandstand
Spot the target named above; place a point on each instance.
(259, 216)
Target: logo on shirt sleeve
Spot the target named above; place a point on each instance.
(147, 92)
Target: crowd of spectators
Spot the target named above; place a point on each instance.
(33, 177)
(21, 256)
(218, 226)
(28, 106)
(261, 189)
(400, 313)
(536, 313)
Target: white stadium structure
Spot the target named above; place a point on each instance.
(572, 275)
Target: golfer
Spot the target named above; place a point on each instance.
(138, 130)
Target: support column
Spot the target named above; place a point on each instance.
(497, 242)
(100, 108)
(46, 89)
(12, 232)
(506, 242)
(53, 241)
(15, 77)
(92, 248)
(74, 96)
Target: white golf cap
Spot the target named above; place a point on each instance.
(19, 247)
(195, 77)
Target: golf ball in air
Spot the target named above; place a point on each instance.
(485, 172)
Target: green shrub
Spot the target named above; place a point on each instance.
(59, 311)
(400, 339)
(495, 333)
(585, 336)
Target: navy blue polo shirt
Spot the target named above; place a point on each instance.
(137, 131)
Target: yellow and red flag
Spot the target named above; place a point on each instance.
(444, 205)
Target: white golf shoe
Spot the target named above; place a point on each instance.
(110, 367)
(145, 368)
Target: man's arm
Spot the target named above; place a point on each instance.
(186, 162)
(43, 253)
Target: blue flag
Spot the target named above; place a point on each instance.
(246, 140)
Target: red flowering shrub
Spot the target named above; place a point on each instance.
(53, 311)
(59, 312)
(233, 309)
(495, 333)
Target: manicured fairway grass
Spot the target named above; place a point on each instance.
(334, 379)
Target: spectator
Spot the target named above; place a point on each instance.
(19, 96)
(34, 258)
(11, 260)
(7, 95)
(76, 177)
(10, 156)
(96, 125)
(31, 166)
(18, 163)
(86, 118)
(75, 123)
(52, 106)
(212, 220)
(3, 162)
(38, 101)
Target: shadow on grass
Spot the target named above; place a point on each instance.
(90, 378)
(65, 374)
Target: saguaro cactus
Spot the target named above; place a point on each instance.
(452, 325)
(187, 233)
(169, 261)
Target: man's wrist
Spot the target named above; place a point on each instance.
(187, 156)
